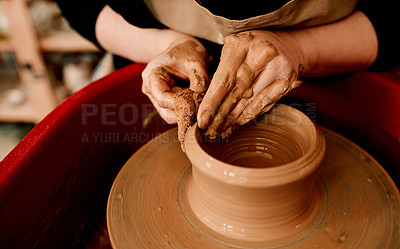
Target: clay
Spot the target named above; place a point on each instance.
(259, 185)
(193, 55)
(167, 201)
(264, 101)
(188, 50)
(186, 104)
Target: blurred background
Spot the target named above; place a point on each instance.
(42, 61)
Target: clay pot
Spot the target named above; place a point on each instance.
(259, 185)
(260, 189)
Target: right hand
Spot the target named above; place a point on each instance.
(256, 69)
(186, 60)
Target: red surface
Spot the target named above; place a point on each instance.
(60, 174)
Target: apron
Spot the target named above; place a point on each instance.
(190, 17)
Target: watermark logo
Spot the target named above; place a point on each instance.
(110, 114)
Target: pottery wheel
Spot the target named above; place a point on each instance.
(147, 206)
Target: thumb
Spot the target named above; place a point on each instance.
(198, 79)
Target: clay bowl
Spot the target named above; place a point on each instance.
(259, 185)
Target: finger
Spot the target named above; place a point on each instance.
(248, 109)
(265, 90)
(257, 59)
(190, 60)
(266, 78)
(222, 83)
(233, 116)
(163, 95)
(158, 86)
(244, 80)
(267, 98)
(167, 114)
(262, 81)
(270, 74)
(198, 78)
(176, 89)
(274, 70)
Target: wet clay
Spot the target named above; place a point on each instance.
(192, 54)
(265, 100)
(188, 50)
(186, 104)
(265, 197)
(259, 185)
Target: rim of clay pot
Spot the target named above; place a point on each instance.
(306, 164)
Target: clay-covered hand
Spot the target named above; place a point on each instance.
(187, 60)
(256, 69)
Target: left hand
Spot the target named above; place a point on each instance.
(186, 60)
(256, 69)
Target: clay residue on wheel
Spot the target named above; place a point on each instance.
(186, 106)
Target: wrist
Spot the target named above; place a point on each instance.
(177, 37)
(299, 47)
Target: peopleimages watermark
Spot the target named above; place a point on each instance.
(274, 116)
(116, 137)
(309, 109)
(110, 114)
(129, 114)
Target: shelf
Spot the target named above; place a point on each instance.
(28, 48)
(60, 41)
(66, 41)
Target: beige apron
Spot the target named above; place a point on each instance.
(190, 17)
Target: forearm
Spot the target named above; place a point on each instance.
(346, 45)
(119, 37)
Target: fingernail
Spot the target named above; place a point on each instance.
(226, 133)
(176, 89)
(211, 134)
(229, 122)
(202, 119)
(243, 120)
(198, 83)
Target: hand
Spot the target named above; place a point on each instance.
(256, 69)
(186, 60)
